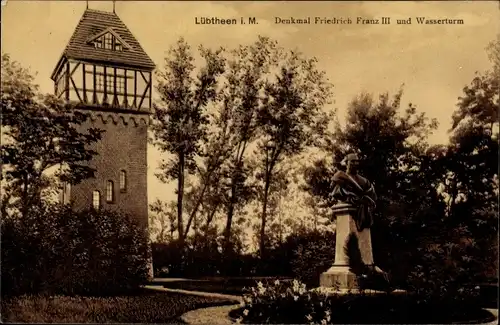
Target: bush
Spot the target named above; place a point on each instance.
(292, 303)
(305, 255)
(437, 257)
(172, 261)
(313, 255)
(202, 256)
(442, 268)
(284, 302)
(167, 259)
(55, 250)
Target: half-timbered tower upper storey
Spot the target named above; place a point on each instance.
(106, 72)
(104, 66)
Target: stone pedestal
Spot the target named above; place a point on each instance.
(340, 275)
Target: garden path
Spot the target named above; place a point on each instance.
(218, 315)
(236, 299)
(494, 312)
(212, 315)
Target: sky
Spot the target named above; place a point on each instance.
(434, 62)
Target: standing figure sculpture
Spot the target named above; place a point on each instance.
(354, 266)
(352, 188)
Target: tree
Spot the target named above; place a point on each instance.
(473, 151)
(393, 148)
(471, 160)
(211, 204)
(39, 133)
(318, 185)
(291, 117)
(179, 121)
(470, 166)
(162, 222)
(241, 102)
(494, 55)
(278, 190)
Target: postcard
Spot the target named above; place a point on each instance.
(270, 162)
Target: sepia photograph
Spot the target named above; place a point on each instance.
(249, 162)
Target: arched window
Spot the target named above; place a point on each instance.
(96, 200)
(66, 193)
(123, 181)
(110, 191)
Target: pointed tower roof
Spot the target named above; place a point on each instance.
(95, 23)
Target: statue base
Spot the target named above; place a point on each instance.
(339, 277)
(328, 291)
(353, 251)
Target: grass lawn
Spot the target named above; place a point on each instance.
(145, 307)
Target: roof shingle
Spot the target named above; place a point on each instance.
(95, 21)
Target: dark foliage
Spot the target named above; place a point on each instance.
(434, 227)
(304, 255)
(54, 250)
(39, 133)
(291, 303)
(200, 261)
(313, 254)
(363, 309)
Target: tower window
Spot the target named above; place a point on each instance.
(123, 181)
(110, 84)
(99, 82)
(61, 84)
(98, 43)
(109, 42)
(120, 84)
(67, 192)
(96, 200)
(110, 192)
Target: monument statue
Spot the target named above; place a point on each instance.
(352, 188)
(353, 267)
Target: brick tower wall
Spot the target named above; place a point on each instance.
(123, 147)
